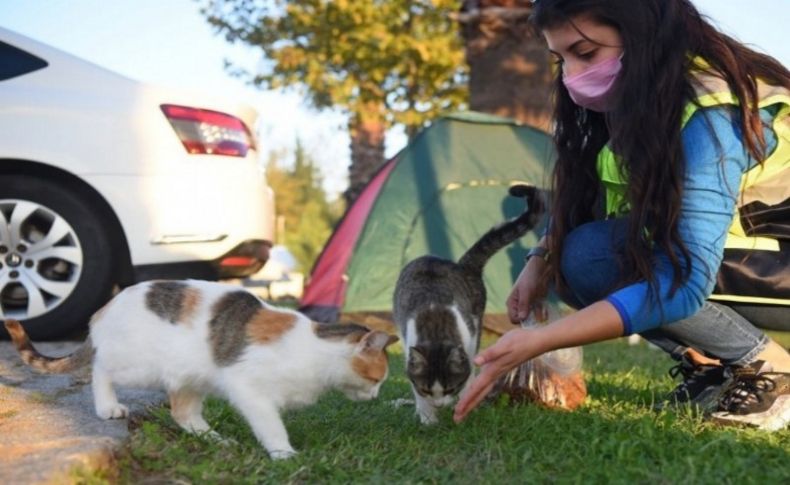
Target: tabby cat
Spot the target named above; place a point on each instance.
(200, 337)
(438, 308)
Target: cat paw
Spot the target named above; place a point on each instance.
(115, 411)
(282, 454)
(428, 418)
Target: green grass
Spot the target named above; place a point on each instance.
(614, 437)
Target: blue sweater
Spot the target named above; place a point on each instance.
(716, 159)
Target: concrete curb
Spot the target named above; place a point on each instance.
(49, 432)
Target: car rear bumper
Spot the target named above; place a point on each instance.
(243, 260)
(200, 215)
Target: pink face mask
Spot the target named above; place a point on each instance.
(591, 88)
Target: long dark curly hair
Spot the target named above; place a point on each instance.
(660, 39)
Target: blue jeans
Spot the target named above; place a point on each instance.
(591, 270)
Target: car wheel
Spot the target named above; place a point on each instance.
(56, 265)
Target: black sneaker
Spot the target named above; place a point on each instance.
(756, 397)
(700, 387)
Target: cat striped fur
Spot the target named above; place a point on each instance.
(438, 306)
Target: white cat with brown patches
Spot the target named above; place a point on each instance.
(193, 338)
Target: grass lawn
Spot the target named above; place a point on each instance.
(614, 437)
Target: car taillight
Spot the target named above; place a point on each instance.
(209, 132)
(237, 261)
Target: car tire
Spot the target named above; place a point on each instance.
(56, 256)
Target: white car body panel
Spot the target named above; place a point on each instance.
(110, 132)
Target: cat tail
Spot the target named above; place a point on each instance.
(50, 365)
(500, 236)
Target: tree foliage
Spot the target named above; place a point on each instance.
(302, 202)
(399, 60)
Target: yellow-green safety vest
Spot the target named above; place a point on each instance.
(756, 265)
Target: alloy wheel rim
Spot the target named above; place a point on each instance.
(41, 259)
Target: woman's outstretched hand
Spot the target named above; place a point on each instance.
(528, 293)
(513, 348)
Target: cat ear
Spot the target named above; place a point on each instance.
(377, 341)
(417, 361)
(417, 353)
(391, 340)
(457, 361)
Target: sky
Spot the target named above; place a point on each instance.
(169, 42)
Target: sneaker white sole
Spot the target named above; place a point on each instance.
(772, 419)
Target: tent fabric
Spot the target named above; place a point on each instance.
(324, 294)
(437, 196)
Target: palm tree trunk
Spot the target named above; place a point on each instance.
(367, 128)
(509, 66)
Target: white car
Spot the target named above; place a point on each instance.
(106, 181)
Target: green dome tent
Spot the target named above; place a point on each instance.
(437, 196)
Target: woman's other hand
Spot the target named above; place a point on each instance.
(528, 293)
